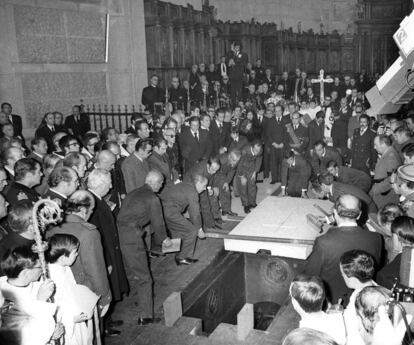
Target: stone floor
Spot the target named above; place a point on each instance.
(169, 278)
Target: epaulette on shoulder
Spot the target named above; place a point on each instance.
(89, 226)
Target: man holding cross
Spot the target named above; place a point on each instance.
(321, 81)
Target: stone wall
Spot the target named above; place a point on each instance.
(52, 55)
(334, 14)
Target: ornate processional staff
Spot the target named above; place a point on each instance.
(321, 82)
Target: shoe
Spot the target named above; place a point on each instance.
(142, 321)
(246, 209)
(218, 221)
(186, 261)
(230, 213)
(272, 182)
(218, 226)
(253, 206)
(115, 323)
(111, 332)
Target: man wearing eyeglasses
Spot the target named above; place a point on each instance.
(68, 144)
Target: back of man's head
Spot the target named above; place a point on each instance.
(348, 207)
(308, 292)
(19, 217)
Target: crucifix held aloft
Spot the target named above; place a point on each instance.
(321, 80)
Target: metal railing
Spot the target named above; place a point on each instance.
(104, 116)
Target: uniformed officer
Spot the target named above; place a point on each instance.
(141, 207)
(176, 199)
(28, 174)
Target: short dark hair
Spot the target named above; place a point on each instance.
(365, 116)
(326, 178)
(332, 164)
(64, 141)
(403, 226)
(193, 119)
(142, 144)
(388, 213)
(20, 216)
(358, 264)
(14, 261)
(319, 142)
(384, 139)
(88, 137)
(289, 154)
(4, 104)
(320, 114)
(159, 141)
(105, 133)
(61, 244)
(23, 167)
(36, 141)
(403, 130)
(309, 292)
(408, 150)
(58, 175)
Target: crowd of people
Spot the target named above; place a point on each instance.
(174, 173)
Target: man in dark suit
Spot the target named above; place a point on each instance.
(288, 88)
(135, 167)
(363, 154)
(152, 94)
(350, 176)
(77, 124)
(99, 184)
(247, 169)
(322, 155)
(14, 119)
(340, 126)
(237, 142)
(296, 174)
(140, 208)
(316, 129)
(219, 133)
(159, 160)
(237, 70)
(276, 139)
(347, 235)
(20, 224)
(208, 199)
(62, 182)
(177, 95)
(176, 200)
(194, 143)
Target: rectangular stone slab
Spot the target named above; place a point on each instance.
(278, 217)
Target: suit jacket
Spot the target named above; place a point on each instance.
(226, 172)
(385, 166)
(17, 192)
(220, 137)
(319, 164)
(327, 250)
(274, 132)
(36, 157)
(300, 172)
(181, 197)
(151, 95)
(192, 150)
(139, 208)
(249, 163)
(78, 128)
(161, 163)
(89, 268)
(46, 133)
(354, 177)
(16, 121)
(386, 276)
(363, 154)
(199, 168)
(50, 194)
(316, 133)
(104, 221)
(134, 171)
(239, 144)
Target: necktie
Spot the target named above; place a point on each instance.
(53, 128)
(196, 136)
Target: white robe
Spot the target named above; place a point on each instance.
(41, 324)
(71, 304)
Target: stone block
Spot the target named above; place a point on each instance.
(85, 24)
(245, 321)
(37, 49)
(86, 50)
(172, 308)
(38, 21)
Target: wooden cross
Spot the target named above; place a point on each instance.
(321, 82)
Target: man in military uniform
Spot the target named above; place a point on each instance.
(363, 155)
(141, 207)
(28, 174)
(176, 200)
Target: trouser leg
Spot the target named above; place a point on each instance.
(251, 192)
(225, 200)
(214, 206)
(182, 228)
(136, 265)
(242, 192)
(206, 213)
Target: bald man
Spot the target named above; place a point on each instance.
(328, 248)
(105, 160)
(141, 207)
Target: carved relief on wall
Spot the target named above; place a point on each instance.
(334, 61)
